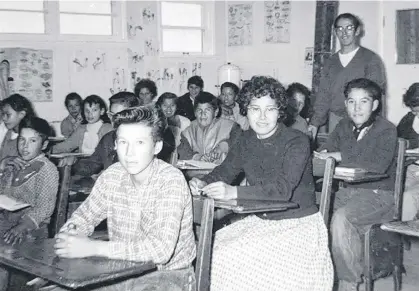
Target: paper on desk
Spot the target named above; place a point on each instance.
(64, 155)
(192, 164)
(412, 151)
(344, 170)
(11, 204)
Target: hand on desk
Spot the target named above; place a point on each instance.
(72, 245)
(324, 155)
(216, 190)
(67, 161)
(18, 233)
(196, 186)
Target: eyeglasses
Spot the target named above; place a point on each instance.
(255, 110)
(347, 28)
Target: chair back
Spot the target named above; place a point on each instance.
(59, 216)
(400, 178)
(325, 169)
(203, 209)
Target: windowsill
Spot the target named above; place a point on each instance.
(60, 38)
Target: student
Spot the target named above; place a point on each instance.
(15, 108)
(206, 139)
(285, 250)
(362, 140)
(73, 104)
(31, 178)
(177, 123)
(229, 107)
(105, 154)
(95, 125)
(185, 103)
(147, 205)
(298, 105)
(408, 129)
(146, 90)
(351, 62)
(3, 128)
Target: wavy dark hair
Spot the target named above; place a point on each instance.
(206, 97)
(259, 86)
(292, 107)
(128, 99)
(20, 103)
(164, 96)
(411, 97)
(146, 83)
(149, 115)
(94, 99)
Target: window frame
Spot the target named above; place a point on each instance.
(207, 28)
(52, 26)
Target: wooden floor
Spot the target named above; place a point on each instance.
(410, 279)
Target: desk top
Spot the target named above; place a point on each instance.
(65, 155)
(38, 258)
(403, 227)
(252, 206)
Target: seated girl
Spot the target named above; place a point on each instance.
(408, 129)
(206, 139)
(229, 107)
(14, 109)
(177, 123)
(73, 104)
(30, 178)
(146, 91)
(95, 125)
(298, 106)
(285, 250)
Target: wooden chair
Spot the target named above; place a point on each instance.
(384, 250)
(325, 170)
(203, 213)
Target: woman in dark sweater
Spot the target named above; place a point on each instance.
(408, 129)
(287, 250)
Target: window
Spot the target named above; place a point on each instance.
(85, 17)
(186, 27)
(22, 17)
(62, 20)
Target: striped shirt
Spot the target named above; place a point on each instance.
(150, 223)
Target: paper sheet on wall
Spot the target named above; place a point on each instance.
(151, 46)
(196, 69)
(277, 21)
(240, 24)
(169, 80)
(148, 15)
(183, 75)
(27, 72)
(134, 28)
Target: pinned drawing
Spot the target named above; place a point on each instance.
(118, 80)
(277, 21)
(133, 28)
(148, 15)
(169, 80)
(183, 71)
(196, 69)
(80, 61)
(153, 74)
(99, 61)
(150, 47)
(240, 24)
(134, 57)
(135, 77)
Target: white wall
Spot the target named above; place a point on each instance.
(284, 61)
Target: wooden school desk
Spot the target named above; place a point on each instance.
(38, 259)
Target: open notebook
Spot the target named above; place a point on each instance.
(11, 204)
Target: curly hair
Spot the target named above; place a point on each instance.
(260, 86)
(293, 89)
(411, 97)
(94, 99)
(166, 96)
(233, 87)
(128, 99)
(146, 83)
(149, 115)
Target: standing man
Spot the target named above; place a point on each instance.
(351, 62)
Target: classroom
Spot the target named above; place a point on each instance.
(209, 145)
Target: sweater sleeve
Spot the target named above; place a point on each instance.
(168, 145)
(66, 127)
(281, 185)
(405, 130)
(92, 164)
(184, 149)
(323, 99)
(378, 157)
(71, 143)
(375, 72)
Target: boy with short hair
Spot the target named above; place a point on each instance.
(73, 103)
(30, 178)
(147, 205)
(362, 140)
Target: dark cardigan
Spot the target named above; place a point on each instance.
(375, 152)
(406, 131)
(185, 107)
(276, 168)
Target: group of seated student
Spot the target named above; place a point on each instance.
(260, 130)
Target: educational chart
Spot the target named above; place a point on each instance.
(277, 21)
(240, 24)
(30, 72)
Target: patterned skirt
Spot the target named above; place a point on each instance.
(278, 255)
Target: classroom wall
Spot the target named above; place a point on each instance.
(284, 61)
